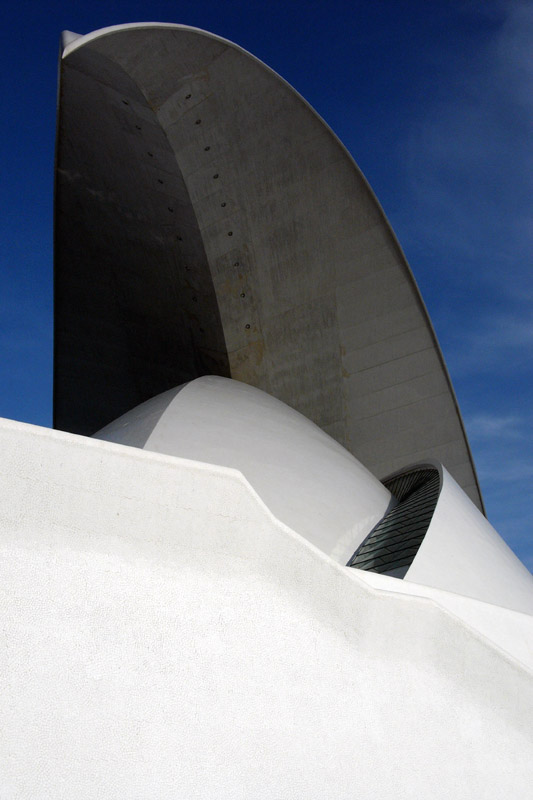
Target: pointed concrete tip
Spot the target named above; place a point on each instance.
(67, 37)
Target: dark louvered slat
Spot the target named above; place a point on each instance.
(395, 541)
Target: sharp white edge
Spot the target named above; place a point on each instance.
(67, 38)
(84, 39)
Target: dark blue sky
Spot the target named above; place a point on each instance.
(433, 99)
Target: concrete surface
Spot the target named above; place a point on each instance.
(164, 636)
(209, 222)
(462, 553)
(313, 485)
(306, 479)
(512, 631)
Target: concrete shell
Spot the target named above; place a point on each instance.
(208, 221)
(307, 480)
(316, 487)
(462, 553)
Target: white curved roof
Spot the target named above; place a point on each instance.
(462, 553)
(317, 488)
(307, 480)
(208, 221)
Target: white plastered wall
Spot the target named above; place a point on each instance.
(165, 636)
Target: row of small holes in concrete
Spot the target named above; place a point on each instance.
(223, 204)
(139, 128)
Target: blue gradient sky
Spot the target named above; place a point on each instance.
(433, 99)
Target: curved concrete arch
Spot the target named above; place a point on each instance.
(208, 221)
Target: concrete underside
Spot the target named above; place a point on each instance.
(164, 635)
(209, 222)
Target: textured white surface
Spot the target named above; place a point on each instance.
(308, 480)
(164, 636)
(462, 553)
(510, 630)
